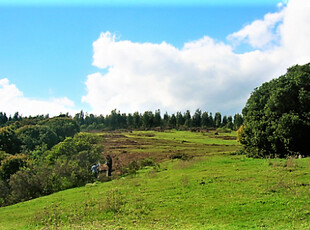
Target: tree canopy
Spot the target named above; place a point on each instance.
(277, 116)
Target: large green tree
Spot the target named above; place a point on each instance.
(277, 116)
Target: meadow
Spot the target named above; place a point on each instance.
(210, 188)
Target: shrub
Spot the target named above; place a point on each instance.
(9, 142)
(4, 193)
(62, 126)
(34, 136)
(72, 147)
(11, 165)
(147, 162)
(24, 185)
(181, 156)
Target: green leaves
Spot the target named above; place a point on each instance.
(34, 136)
(9, 142)
(277, 116)
(62, 126)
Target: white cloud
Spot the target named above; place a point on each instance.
(204, 74)
(260, 33)
(13, 100)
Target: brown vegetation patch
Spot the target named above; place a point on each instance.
(126, 149)
(224, 137)
(146, 135)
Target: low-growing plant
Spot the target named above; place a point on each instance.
(147, 162)
(291, 164)
(238, 152)
(4, 192)
(224, 130)
(181, 156)
(185, 181)
(113, 201)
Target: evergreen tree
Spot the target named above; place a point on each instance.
(179, 120)
(137, 120)
(218, 119)
(157, 118)
(230, 124)
(188, 119)
(204, 120)
(225, 121)
(197, 118)
(238, 121)
(172, 121)
(3, 118)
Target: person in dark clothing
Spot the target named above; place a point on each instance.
(109, 164)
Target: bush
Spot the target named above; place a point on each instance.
(3, 155)
(71, 147)
(9, 142)
(4, 193)
(181, 156)
(24, 185)
(11, 165)
(62, 126)
(34, 137)
(147, 162)
(224, 130)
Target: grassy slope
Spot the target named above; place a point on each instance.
(218, 192)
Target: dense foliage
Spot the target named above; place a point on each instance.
(277, 116)
(39, 156)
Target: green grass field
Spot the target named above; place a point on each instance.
(213, 190)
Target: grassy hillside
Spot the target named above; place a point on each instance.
(214, 190)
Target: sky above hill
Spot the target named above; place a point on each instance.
(65, 56)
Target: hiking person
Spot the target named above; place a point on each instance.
(95, 170)
(109, 164)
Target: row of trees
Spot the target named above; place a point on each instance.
(148, 120)
(39, 156)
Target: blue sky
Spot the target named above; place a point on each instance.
(46, 49)
(136, 3)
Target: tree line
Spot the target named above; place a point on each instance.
(143, 121)
(149, 120)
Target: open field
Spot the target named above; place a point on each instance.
(213, 190)
(128, 146)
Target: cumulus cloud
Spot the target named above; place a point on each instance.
(260, 33)
(206, 73)
(13, 100)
